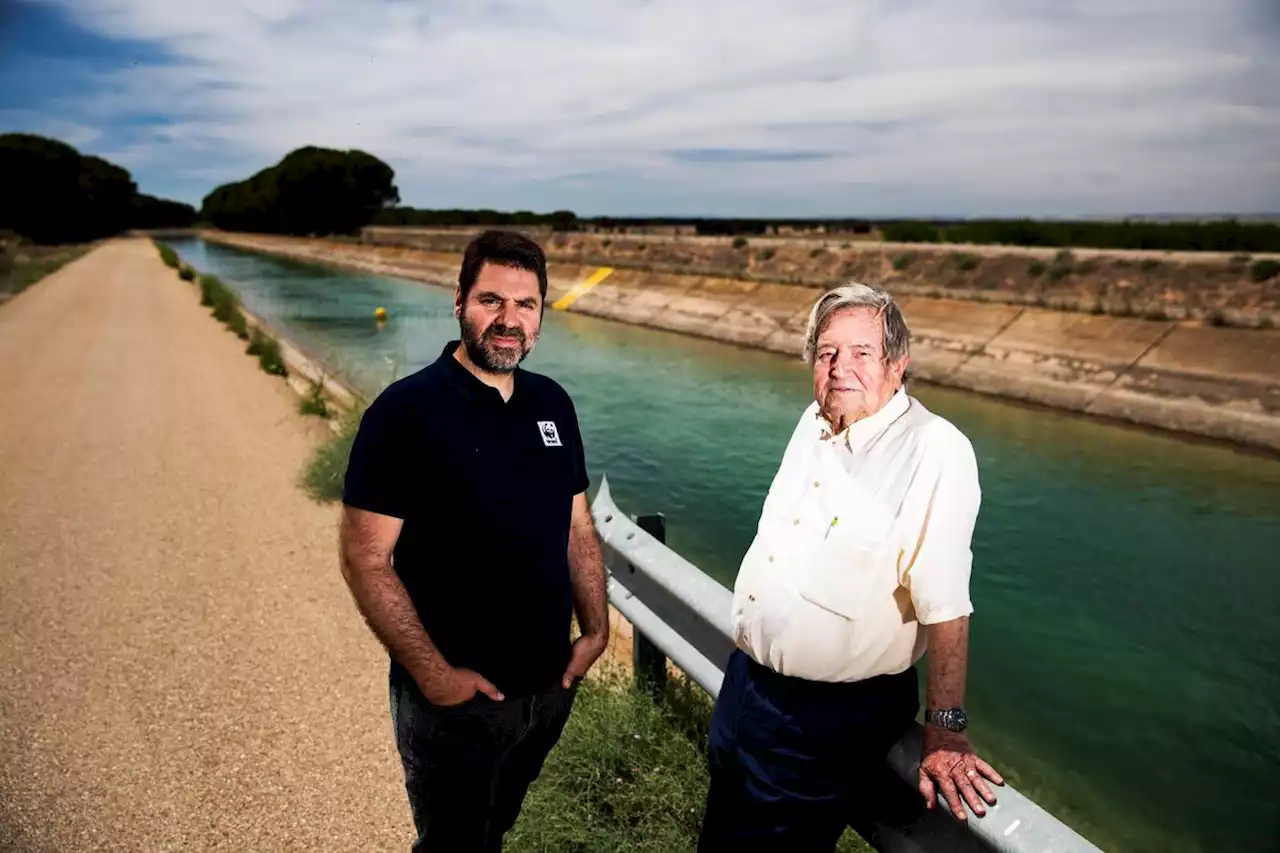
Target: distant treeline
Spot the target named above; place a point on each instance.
(311, 191)
(560, 220)
(51, 193)
(567, 220)
(1218, 236)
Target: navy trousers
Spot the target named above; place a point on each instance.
(793, 762)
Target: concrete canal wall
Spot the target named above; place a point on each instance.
(1184, 375)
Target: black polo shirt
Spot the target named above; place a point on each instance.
(485, 488)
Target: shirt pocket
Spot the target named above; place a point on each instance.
(850, 565)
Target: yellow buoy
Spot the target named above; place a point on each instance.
(380, 313)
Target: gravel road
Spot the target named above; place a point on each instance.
(181, 666)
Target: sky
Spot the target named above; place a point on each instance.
(677, 107)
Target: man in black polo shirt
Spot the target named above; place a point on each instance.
(467, 543)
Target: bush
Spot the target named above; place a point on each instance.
(1241, 258)
(1057, 272)
(1216, 318)
(739, 242)
(1035, 269)
(764, 254)
(1149, 264)
(1264, 270)
(168, 255)
(238, 325)
(269, 358)
(1087, 267)
(186, 273)
(965, 261)
(314, 403)
(225, 306)
(821, 250)
(901, 262)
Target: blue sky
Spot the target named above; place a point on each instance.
(679, 107)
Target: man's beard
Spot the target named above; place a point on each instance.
(489, 357)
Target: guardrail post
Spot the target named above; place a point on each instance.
(648, 660)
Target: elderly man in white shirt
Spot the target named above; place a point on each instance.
(861, 561)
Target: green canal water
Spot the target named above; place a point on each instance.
(1125, 668)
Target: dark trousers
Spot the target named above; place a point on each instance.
(467, 767)
(793, 762)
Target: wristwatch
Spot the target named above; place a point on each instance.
(951, 719)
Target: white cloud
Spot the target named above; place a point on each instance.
(933, 106)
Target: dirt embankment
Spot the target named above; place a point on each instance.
(1220, 289)
(1187, 376)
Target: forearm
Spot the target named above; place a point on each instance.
(387, 609)
(948, 661)
(587, 576)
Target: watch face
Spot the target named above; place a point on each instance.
(952, 719)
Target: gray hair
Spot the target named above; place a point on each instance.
(858, 295)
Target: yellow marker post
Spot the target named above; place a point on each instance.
(577, 291)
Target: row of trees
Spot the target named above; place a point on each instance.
(1218, 236)
(559, 220)
(51, 193)
(311, 191)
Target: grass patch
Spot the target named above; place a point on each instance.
(208, 286)
(739, 242)
(267, 349)
(1087, 267)
(1264, 270)
(1064, 258)
(624, 777)
(765, 254)
(325, 471)
(314, 403)
(168, 255)
(965, 262)
(901, 262)
(628, 775)
(1241, 258)
(22, 264)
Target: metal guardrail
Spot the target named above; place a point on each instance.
(679, 612)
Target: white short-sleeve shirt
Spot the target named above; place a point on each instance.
(864, 537)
